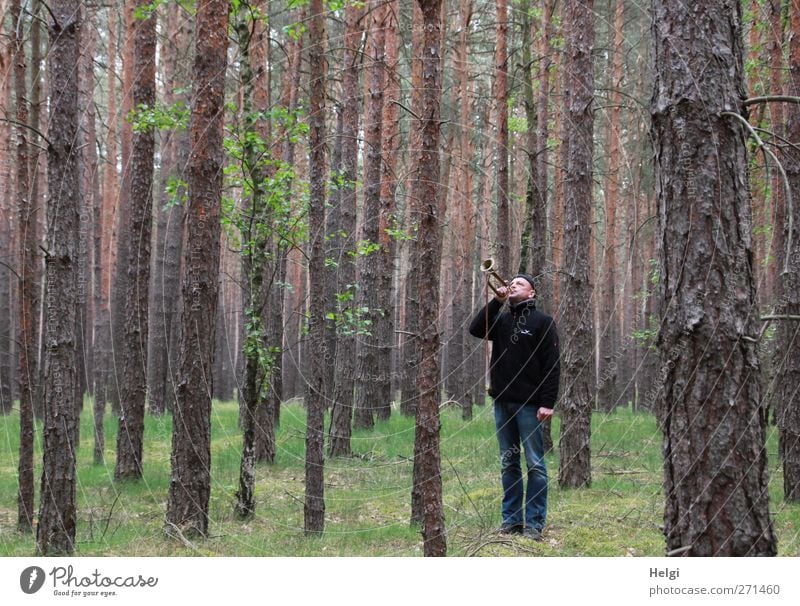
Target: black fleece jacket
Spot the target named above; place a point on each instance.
(525, 359)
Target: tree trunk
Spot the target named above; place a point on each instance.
(55, 533)
(501, 108)
(408, 401)
(26, 299)
(709, 406)
(788, 334)
(390, 129)
(342, 406)
(190, 482)
(608, 367)
(465, 266)
(255, 229)
(121, 270)
(130, 436)
(576, 288)
(371, 386)
(314, 510)
(425, 198)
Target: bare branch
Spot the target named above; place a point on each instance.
(770, 98)
(788, 189)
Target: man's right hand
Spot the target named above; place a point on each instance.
(501, 294)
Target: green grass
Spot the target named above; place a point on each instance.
(367, 496)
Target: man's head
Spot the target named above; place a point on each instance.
(521, 288)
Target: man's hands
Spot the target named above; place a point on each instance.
(501, 294)
(544, 414)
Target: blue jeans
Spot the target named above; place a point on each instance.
(517, 423)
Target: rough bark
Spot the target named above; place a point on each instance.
(464, 262)
(610, 308)
(788, 281)
(314, 510)
(425, 201)
(371, 384)
(408, 401)
(130, 437)
(576, 289)
(190, 482)
(55, 533)
(165, 276)
(709, 405)
(342, 404)
(26, 267)
(122, 215)
(502, 243)
(255, 236)
(390, 132)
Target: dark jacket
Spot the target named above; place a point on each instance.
(525, 360)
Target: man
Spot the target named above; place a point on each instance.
(524, 377)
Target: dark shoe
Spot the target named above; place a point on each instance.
(510, 529)
(532, 533)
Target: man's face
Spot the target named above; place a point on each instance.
(519, 289)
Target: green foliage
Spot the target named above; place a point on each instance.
(654, 273)
(351, 320)
(364, 248)
(517, 124)
(646, 337)
(160, 117)
(177, 191)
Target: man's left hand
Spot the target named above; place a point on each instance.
(544, 414)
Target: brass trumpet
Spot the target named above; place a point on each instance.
(488, 268)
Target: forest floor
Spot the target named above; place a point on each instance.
(367, 496)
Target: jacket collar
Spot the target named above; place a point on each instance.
(522, 305)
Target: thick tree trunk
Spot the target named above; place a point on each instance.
(709, 406)
(576, 288)
(55, 533)
(342, 405)
(130, 437)
(314, 510)
(190, 482)
(425, 198)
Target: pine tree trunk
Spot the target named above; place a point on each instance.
(390, 129)
(370, 385)
(314, 510)
(709, 407)
(425, 198)
(26, 299)
(464, 272)
(576, 288)
(130, 437)
(55, 533)
(501, 111)
(255, 227)
(190, 482)
(342, 407)
(788, 333)
(609, 345)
